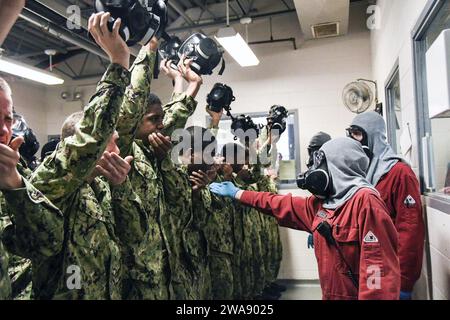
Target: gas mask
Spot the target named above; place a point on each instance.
(316, 179)
(244, 123)
(220, 98)
(169, 50)
(365, 140)
(20, 129)
(204, 53)
(277, 118)
(311, 151)
(141, 20)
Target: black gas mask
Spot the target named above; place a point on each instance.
(352, 130)
(277, 118)
(316, 179)
(204, 53)
(244, 123)
(220, 98)
(169, 50)
(31, 145)
(141, 19)
(311, 151)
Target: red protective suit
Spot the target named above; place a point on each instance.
(400, 191)
(364, 232)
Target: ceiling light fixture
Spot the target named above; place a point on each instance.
(28, 72)
(235, 45)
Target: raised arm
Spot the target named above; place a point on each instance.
(136, 96)
(291, 212)
(74, 160)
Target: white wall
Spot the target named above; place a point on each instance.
(389, 43)
(29, 101)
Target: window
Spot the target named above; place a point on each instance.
(287, 165)
(394, 112)
(433, 133)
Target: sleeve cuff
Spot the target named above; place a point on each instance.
(188, 101)
(116, 75)
(18, 197)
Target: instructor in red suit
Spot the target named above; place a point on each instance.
(355, 239)
(399, 189)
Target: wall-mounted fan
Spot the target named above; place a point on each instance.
(358, 96)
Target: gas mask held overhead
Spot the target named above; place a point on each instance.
(277, 118)
(141, 20)
(316, 179)
(220, 97)
(204, 53)
(202, 50)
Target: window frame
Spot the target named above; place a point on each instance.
(294, 112)
(390, 111)
(423, 122)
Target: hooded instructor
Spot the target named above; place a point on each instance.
(399, 188)
(355, 239)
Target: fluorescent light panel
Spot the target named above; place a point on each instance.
(235, 45)
(28, 72)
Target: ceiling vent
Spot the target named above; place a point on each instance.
(325, 30)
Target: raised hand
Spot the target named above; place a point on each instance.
(9, 158)
(199, 180)
(110, 41)
(113, 167)
(161, 145)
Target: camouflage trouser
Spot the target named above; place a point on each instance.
(278, 250)
(20, 274)
(237, 254)
(257, 253)
(246, 257)
(220, 265)
(275, 249)
(268, 247)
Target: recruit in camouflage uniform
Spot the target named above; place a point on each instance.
(152, 257)
(89, 265)
(31, 229)
(274, 247)
(193, 279)
(268, 184)
(218, 230)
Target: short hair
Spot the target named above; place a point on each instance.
(200, 134)
(153, 99)
(234, 151)
(4, 86)
(69, 126)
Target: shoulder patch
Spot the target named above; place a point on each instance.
(409, 201)
(370, 238)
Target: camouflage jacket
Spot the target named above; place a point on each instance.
(31, 227)
(89, 261)
(147, 263)
(187, 242)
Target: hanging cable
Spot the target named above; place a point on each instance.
(228, 14)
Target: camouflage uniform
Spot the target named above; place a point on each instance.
(151, 257)
(218, 230)
(90, 249)
(190, 272)
(274, 248)
(31, 229)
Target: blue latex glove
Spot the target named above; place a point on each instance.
(224, 189)
(310, 241)
(405, 295)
